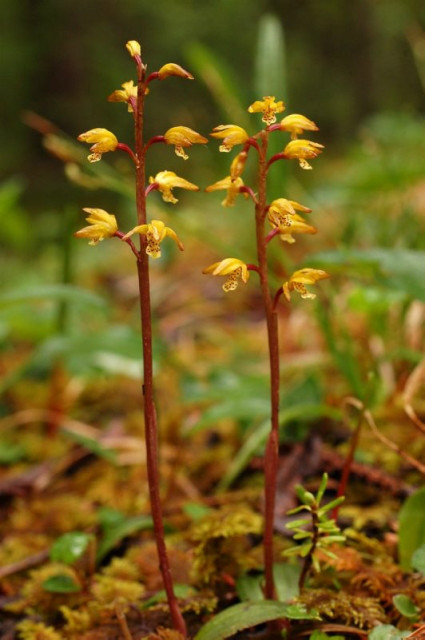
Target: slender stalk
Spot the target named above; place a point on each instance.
(151, 429)
(272, 447)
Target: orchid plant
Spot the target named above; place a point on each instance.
(152, 233)
(284, 218)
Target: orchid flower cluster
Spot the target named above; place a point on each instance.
(285, 221)
(103, 224)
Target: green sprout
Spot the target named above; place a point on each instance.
(317, 532)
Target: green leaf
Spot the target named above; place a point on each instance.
(387, 632)
(320, 635)
(92, 445)
(54, 292)
(417, 561)
(396, 269)
(249, 588)
(405, 606)
(61, 583)
(286, 578)
(195, 510)
(11, 453)
(180, 590)
(69, 547)
(258, 437)
(249, 614)
(114, 533)
(411, 527)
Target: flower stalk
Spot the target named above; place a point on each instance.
(284, 220)
(152, 233)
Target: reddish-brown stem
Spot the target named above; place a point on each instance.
(126, 148)
(272, 447)
(153, 140)
(152, 76)
(249, 191)
(271, 235)
(152, 187)
(151, 430)
(129, 241)
(275, 158)
(252, 267)
(277, 297)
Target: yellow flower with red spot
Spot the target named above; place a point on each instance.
(233, 188)
(166, 181)
(182, 137)
(103, 140)
(172, 69)
(268, 107)
(102, 225)
(231, 134)
(155, 233)
(282, 216)
(127, 94)
(233, 268)
(303, 150)
(299, 279)
(296, 124)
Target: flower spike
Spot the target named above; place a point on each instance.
(231, 134)
(172, 69)
(299, 279)
(231, 267)
(102, 225)
(103, 140)
(302, 149)
(183, 137)
(268, 107)
(296, 124)
(233, 187)
(166, 181)
(155, 233)
(127, 94)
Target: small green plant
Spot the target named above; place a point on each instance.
(317, 531)
(284, 220)
(104, 225)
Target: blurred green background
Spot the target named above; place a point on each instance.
(356, 68)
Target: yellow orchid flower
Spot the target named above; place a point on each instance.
(303, 149)
(126, 94)
(233, 268)
(183, 137)
(231, 134)
(102, 225)
(268, 107)
(281, 207)
(172, 69)
(299, 279)
(155, 233)
(166, 181)
(232, 187)
(296, 124)
(238, 165)
(133, 48)
(289, 224)
(103, 140)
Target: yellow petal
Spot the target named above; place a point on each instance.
(133, 48)
(172, 69)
